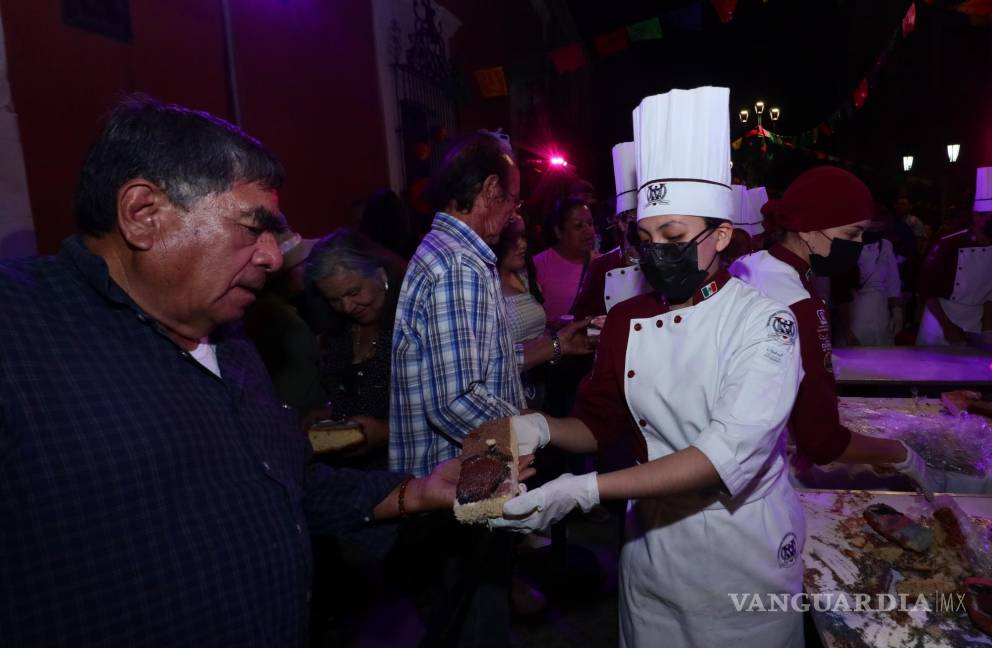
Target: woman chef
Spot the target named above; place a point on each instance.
(956, 282)
(819, 223)
(615, 276)
(705, 369)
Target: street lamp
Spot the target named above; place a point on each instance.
(952, 152)
(759, 111)
(907, 163)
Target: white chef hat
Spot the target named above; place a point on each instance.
(625, 176)
(747, 208)
(739, 205)
(755, 199)
(682, 144)
(983, 190)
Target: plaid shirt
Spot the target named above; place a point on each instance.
(454, 364)
(143, 500)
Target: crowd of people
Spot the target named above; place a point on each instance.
(159, 375)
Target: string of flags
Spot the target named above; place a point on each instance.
(854, 102)
(779, 140)
(493, 81)
(569, 58)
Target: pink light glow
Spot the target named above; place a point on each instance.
(558, 161)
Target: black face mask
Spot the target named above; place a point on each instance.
(843, 257)
(870, 237)
(672, 269)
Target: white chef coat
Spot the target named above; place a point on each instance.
(621, 284)
(720, 376)
(966, 268)
(879, 281)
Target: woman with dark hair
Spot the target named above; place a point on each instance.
(522, 296)
(561, 267)
(360, 282)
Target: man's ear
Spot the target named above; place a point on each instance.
(142, 210)
(491, 191)
(724, 232)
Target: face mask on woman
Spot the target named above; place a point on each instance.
(843, 256)
(672, 269)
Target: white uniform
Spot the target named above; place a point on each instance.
(879, 278)
(966, 268)
(720, 376)
(622, 284)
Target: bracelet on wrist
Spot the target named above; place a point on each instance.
(555, 349)
(401, 500)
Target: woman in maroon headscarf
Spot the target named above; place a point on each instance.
(817, 225)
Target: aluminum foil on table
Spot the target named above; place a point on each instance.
(958, 448)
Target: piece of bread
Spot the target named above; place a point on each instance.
(489, 472)
(335, 437)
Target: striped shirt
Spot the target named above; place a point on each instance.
(454, 365)
(525, 314)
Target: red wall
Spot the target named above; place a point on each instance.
(307, 87)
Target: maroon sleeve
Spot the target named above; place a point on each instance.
(600, 403)
(815, 423)
(590, 302)
(939, 268)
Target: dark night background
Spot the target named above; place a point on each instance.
(805, 57)
(314, 85)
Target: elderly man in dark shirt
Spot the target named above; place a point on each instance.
(153, 489)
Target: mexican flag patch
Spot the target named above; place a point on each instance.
(709, 290)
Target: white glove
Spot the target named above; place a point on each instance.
(916, 469)
(542, 507)
(532, 432)
(896, 320)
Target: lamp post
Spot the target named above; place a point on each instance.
(953, 150)
(759, 111)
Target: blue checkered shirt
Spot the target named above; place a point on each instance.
(143, 500)
(454, 363)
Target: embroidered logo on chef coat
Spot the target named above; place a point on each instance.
(782, 327)
(788, 550)
(657, 193)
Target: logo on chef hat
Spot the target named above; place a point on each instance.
(657, 193)
(788, 550)
(782, 327)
